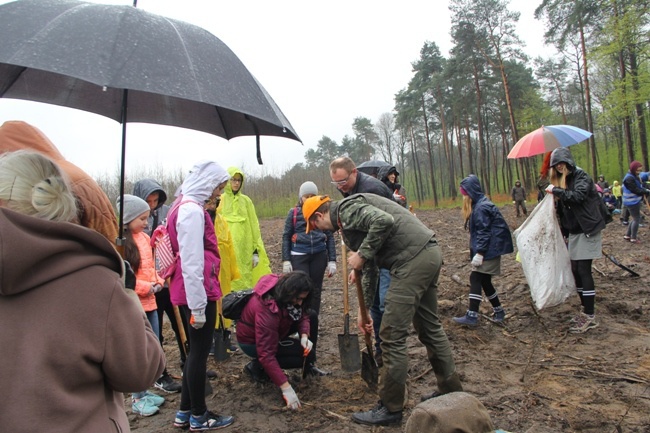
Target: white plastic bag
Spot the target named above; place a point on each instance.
(544, 256)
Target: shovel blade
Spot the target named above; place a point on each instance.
(220, 345)
(349, 352)
(369, 370)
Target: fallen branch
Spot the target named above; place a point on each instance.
(327, 412)
(421, 375)
(599, 271)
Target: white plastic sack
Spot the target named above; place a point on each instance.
(544, 256)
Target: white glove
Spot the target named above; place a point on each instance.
(331, 269)
(286, 267)
(477, 260)
(549, 188)
(256, 259)
(197, 320)
(513, 202)
(289, 396)
(306, 344)
(155, 287)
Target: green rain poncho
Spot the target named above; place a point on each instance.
(238, 210)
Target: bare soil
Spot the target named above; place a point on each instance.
(531, 374)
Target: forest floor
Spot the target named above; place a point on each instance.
(530, 373)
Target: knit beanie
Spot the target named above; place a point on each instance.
(307, 188)
(133, 208)
(634, 166)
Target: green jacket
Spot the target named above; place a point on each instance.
(384, 233)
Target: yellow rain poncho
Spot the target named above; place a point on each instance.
(238, 211)
(228, 271)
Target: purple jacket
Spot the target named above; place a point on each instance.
(211, 267)
(263, 324)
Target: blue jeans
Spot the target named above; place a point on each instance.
(377, 308)
(152, 317)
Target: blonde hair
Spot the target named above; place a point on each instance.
(467, 209)
(558, 179)
(33, 185)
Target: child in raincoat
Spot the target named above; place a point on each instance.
(238, 211)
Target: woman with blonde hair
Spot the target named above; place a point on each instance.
(490, 238)
(77, 341)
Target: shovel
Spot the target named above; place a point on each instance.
(348, 343)
(616, 262)
(220, 338)
(369, 367)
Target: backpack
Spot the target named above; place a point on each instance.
(164, 255)
(232, 305)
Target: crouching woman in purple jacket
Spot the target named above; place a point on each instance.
(278, 308)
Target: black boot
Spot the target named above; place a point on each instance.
(256, 372)
(378, 415)
(312, 370)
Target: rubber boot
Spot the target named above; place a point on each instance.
(469, 319)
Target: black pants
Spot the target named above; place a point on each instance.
(479, 281)
(193, 391)
(164, 304)
(313, 265)
(581, 270)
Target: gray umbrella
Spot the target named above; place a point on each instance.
(131, 65)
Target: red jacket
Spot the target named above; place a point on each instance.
(264, 324)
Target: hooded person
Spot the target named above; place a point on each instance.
(633, 198)
(153, 193)
(389, 175)
(579, 212)
(239, 212)
(519, 198)
(95, 210)
(194, 287)
(74, 341)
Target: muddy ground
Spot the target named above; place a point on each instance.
(531, 374)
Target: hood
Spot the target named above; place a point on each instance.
(383, 172)
(472, 186)
(204, 177)
(232, 171)
(562, 154)
(266, 283)
(54, 249)
(18, 135)
(145, 187)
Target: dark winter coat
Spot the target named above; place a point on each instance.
(264, 324)
(368, 184)
(489, 233)
(314, 242)
(579, 205)
(399, 193)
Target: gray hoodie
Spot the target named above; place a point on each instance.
(145, 187)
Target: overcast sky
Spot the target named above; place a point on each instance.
(324, 63)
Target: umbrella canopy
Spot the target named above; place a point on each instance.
(131, 65)
(372, 167)
(547, 138)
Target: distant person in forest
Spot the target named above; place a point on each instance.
(313, 253)
(617, 192)
(239, 212)
(74, 340)
(610, 201)
(602, 183)
(489, 239)
(389, 175)
(634, 194)
(519, 198)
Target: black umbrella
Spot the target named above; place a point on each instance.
(131, 65)
(372, 167)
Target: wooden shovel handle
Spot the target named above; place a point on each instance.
(362, 306)
(344, 262)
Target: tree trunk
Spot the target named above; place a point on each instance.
(416, 167)
(640, 112)
(590, 119)
(430, 153)
(468, 142)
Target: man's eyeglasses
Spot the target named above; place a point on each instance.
(341, 182)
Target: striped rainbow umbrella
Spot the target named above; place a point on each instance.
(547, 138)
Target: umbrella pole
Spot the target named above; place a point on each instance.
(120, 239)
